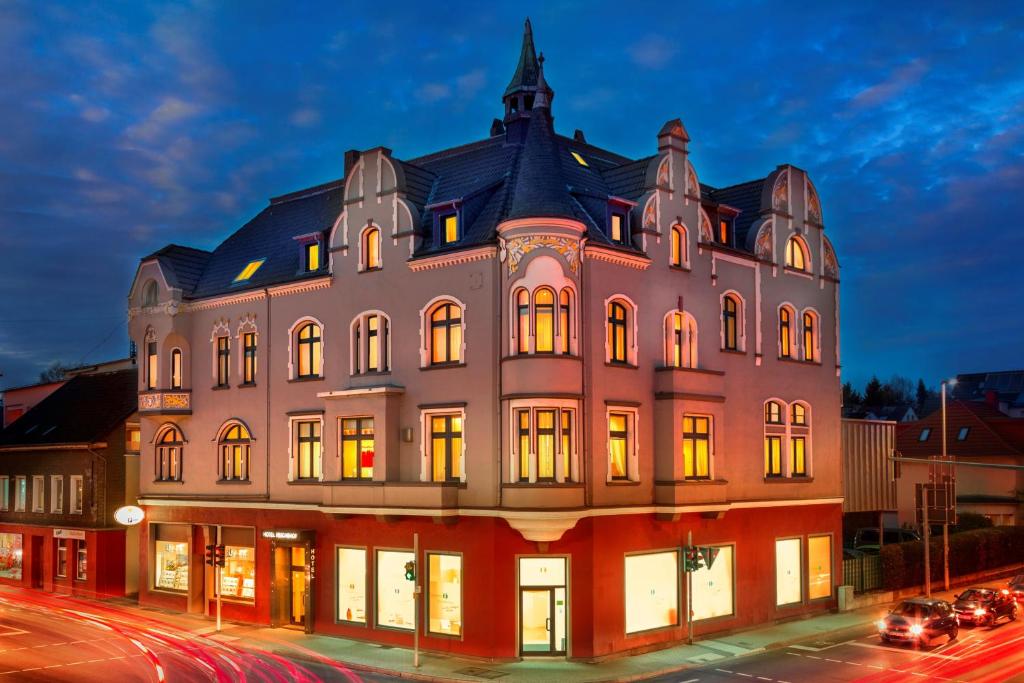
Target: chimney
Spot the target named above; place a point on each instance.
(351, 157)
(992, 399)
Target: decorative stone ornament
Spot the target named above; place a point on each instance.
(813, 204)
(780, 193)
(764, 247)
(518, 247)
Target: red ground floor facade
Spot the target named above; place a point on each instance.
(612, 584)
(75, 561)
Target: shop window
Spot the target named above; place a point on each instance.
(308, 452)
(357, 448)
(10, 556)
(20, 493)
(444, 594)
(713, 588)
(5, 494)
(61, 569)
(77, 493)
(788, 577)
(395, 598)
(234, 453)
(38, 493)
(249, 358)
(819, 567)
(238, 577)
(696, 447)
(351, 565)
(57, 494)
(81, 561)
(652, 591)
(170, 569)
(445, 447)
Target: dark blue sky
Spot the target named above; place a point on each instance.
(125, 126)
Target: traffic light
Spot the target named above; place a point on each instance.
(219, 559)
(210, 555)
(692, 559)
(410, 570)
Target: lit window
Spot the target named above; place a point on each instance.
(445, 447)
(57, 494)
(544, 321)
(234, 453)
(449, 228)
(925, 433)
(618, 228)
(250, 270)
(713, 588)
(371, 249)
(799, 416)
(810, 337)
(772, 413)
(617, 333)
(681, 341)
(523, 321)
(238, 577)
(170, 569)
(62, 558)
(798, 453)
(77, 493)
(565, 318)
(785, 333)
(796, 254)
(579, 159)
(249, 358)
(169, 452)
(543, 438)
(773, 456)
(730, 323)
(396, 606)
(677, 248)
(357, 448)
(82, 563)
(308, 449)
(312, 257)
(152, 365)
(444, 594)
(723, 231)
(309, 351)
(351, 567)
(133, 439)
(962, 434)
(652, 591)
(819, 567)
(696, 447)
(223, 361)
(445, 334)
(788, 576)
(176, 369)
(11, 554)
(619, 444)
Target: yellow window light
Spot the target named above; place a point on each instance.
(579, 159)
(250, 270)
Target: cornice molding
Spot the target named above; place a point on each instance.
(452, 259)
(617, 257)
(538, 224)
(301, 287)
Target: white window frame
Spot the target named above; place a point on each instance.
(77, 504)
(691, 345)
(711, 445)
(220, 329)
(293, 436)
(426, 334)
(247, 326)
(363, 267)
(57, 494)
(632, 443)
(360, 352)
(794, 330)
(38, 493)
(558, 405)
(632, 329)
(293, 347)
(408, 553)
(816, 337)
(741, 321)
(426, 447)
(5, 493)
(338, 617)
(808, 268)
(20, 493)
(684, 261)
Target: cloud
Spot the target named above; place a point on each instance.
(469, 84)
(306, 117)
(170, 111)
(886, 91)
(429, 93)
(652, 52)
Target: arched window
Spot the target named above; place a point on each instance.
(785, 332)
(774, 435)
(730, 323)
(371, 343)
(445, 334)
(799, 440)
(371, 249)
(773, 412)
(565, 319)
(309, 352)
(149, 293)
(544, 320)
(677, 246)
(680, 340)
(523, 321)
(176, 369)
(797, 256)
(234, 453)
(810, 336)
(169, 453)
(618, 334)
(799, 415)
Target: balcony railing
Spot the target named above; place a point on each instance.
(176, 402)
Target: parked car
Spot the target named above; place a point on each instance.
(920, 621)
(1016, 587)
(984, 606)
(866, 539)
(852, 554)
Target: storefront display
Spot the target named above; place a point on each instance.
(10, 556)
(395, 607)
(713, 588)
(445, 594)
(170, 555)
(238, 577)
(819, 567)
(652, 591)
(788, 580)
(352, 585)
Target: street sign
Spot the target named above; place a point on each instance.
(709, 554)
(941, 503)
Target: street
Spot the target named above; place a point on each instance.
(987, 654)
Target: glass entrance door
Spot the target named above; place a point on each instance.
(542, 608)
(297, 593)
(537, 617)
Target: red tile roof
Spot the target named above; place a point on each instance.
(990, 432)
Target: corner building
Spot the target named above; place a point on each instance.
(548, 360)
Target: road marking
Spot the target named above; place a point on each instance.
(691, 680)
(917, 653)
(834, 661)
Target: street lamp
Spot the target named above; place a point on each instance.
(945, 525)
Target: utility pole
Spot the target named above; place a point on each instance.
(416, 601)
(217, 572)
(689, 593)
(945, 525)
(927, 545)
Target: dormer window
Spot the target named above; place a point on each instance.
(724, 230)
(449, 228)
(618, 228)
(311, 262)
(249, 270)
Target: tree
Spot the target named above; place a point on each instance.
(923, 394)
(54, 373)
(873, 394)
(901, 390)
(851, 397)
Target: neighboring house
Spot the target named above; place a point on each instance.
(869, 483)
(897, 413)
(65, 466)
(550, 361)
(976, 432)
(17, 401)
(1003, 390)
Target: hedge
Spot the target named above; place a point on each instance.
(969, 552)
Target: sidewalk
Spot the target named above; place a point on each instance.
(397, 661)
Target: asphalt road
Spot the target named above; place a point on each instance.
(985, 655)
(51, 638)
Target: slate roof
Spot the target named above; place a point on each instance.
(83, 411)
(990, 433)
(525, 170)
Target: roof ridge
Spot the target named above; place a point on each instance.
(451, 151)
(308, 192)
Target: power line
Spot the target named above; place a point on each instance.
(104, 341)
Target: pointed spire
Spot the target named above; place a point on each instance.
(526, 71)
(544, 93)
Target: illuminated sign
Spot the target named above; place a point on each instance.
(129, 515)
(281, 535)
(69, 533)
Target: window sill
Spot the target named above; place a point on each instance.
(543, 354)
(692, 482)
(542, 485)
(625, 366)
(311, 378)
(233, 482)
(247, 385)
(305, 482)
(783, 359)
(220, 387)
(354, 482)
(789, 270)
(372, 373)
(788, 480)
(168, 481)
(681, 269)
(371, 270)
(622, 482)
(738, 352)
(699, 371)
(443, 366)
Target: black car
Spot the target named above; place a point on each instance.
(867, 539)
(1016, 587)
(920, 621)
(981, 606)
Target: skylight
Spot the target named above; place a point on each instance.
(962, 435)
(250, 270)
(578, 158)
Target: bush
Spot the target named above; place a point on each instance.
(969, 552)
(969, 521)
